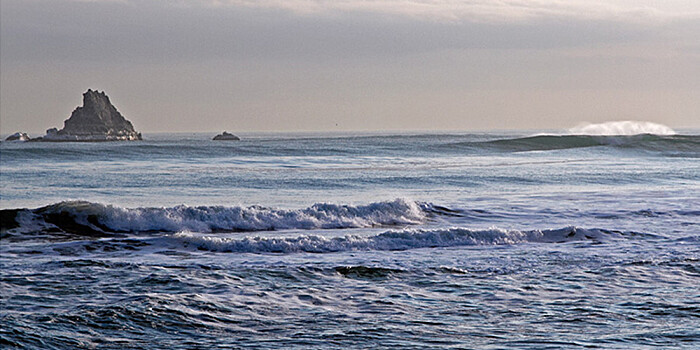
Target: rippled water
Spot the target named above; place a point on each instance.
(352, 241)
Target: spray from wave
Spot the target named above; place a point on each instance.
(623, 128)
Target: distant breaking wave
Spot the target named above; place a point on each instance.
(96, 219)
(396, 240)
(626, 128)
(630, 135)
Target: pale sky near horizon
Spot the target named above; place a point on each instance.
(323, 65)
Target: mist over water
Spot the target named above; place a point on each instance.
(353, 241)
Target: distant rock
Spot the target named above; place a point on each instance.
(225, 136)
(18, 136)
(96, 120)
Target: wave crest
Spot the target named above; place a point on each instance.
(87, 218)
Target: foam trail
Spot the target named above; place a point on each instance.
(391, 240)
(623, 128)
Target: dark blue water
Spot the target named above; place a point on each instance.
(352, 241)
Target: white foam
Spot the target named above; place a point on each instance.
(628, 127)
(389, 240)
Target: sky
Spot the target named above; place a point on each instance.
(351, 65)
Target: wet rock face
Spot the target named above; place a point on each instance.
(96, 120)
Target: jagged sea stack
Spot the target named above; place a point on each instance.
(96, 120)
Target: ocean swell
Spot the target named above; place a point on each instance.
(688, 145)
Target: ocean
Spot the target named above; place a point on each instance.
(517, 240)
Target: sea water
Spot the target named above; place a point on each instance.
(335, 241)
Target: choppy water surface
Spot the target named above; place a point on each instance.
(352, 241)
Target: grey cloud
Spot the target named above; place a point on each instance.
(155, 31)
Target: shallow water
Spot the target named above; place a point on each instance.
(352, 240)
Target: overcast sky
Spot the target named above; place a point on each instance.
(293, 65)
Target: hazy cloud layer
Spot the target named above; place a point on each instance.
(312, 65)
(487, 10)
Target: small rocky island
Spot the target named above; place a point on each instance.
(96, 120)
(18, 136)
(226, 136)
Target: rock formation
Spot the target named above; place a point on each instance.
(18, 136)
(226, 136)
(96, 120)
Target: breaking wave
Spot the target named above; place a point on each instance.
(395, 240)
(96, 219)
(627, 128)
